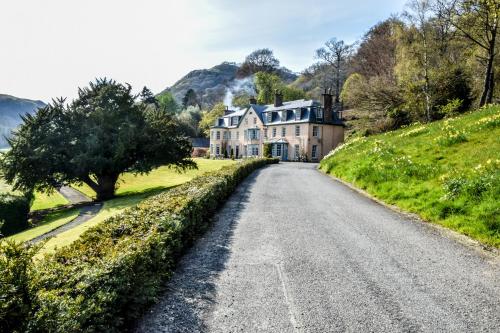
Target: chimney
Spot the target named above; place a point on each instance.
(327, 103)
(278, 98)
(227, 111)
(253, 100)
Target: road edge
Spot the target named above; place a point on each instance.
(487, 251)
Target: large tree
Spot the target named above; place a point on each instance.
(267, 84)
(335, 54)
(262, 60)
(100, 135)
(479, 22)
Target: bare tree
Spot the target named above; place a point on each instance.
(335, 53)
(478, 21)
(419, 15)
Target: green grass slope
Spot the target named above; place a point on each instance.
(448, 171)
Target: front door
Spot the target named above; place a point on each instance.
(237, 152)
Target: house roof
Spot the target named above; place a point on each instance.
(300, 103)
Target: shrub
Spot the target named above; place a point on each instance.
(267, 150)
(106, 278)
(16, 294)
(14, 213)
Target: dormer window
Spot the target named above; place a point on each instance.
(319, 114)
(283, 115)
(234, 121)
(298, 114)
(269, 117)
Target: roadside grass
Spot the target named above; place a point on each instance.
(49, 223)
(448, 171)
(133, 191)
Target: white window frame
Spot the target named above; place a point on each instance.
(237, 135)
(217, 150)
(296, 151)
(298, 114)
(269, 117)
(315, 129)
(314, 152)
(283, 132)
(217, 136)
(274, 132)
(297, 130)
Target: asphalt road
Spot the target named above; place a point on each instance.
(295, 251)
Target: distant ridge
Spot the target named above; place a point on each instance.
(210, 85)
(11, 109)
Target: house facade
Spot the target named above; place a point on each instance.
(298, 130)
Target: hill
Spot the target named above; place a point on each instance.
(448, 171)
(211, 85)
(11, 109)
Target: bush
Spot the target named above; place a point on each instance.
(13, 213)
(106, 278)
(267, 150)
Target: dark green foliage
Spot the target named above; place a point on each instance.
(190, 99)
(14, 211)
(102, 134)
(16, 293)
(267, 150)
(104, 280)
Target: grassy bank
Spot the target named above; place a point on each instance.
(448, 172)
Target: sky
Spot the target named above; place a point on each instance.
(50, 48)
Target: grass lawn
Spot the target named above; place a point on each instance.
(160, 178)
(49, 223)
(132, 191)
(42, 200)
(448, 171)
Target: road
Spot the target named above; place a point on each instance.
(296, 251)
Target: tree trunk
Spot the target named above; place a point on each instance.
(488, 82)
(104, 187)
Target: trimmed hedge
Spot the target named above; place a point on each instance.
(13, 213)
(104, 280)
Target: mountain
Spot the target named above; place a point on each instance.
(211, 85)
(11, 109)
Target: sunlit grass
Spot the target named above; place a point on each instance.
(447, 171)
(49, 223)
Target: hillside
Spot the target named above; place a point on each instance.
(448, 171)
(212, 84)
(11, 108)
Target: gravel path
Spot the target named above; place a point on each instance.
(295, 251)
(86, 213)
(73, 196)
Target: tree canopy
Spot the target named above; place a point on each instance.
(100, 135)
(267, 84)
(262, 60)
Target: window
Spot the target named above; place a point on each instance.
(297, 130)
(314, 152)
(237, 135)
(229, 134)
(217, 150)
(265, 132)
(269, 117)
(218, 135)
(224, 135)
(298, 114)
(255, 150)
(297, 152)
(253, 134)
(316, 131)
(274, 132)
(278, 150)
(283, 131)
(319, 114)
(255, 121)
(234, 121)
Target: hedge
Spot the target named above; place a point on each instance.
(105, 280)
(13, 213)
